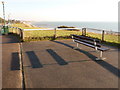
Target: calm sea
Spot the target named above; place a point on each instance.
(109, 26)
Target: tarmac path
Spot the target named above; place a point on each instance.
(55, 64)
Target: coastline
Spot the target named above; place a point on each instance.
(29, 24)
(108, 26)
(25, 25)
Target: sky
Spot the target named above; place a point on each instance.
(61, 10)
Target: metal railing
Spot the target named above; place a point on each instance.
(57, 32)
(99, 31)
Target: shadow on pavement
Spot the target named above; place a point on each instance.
(79, 61)
(59, 60)
(15, 62)
(35, 62)
(56, 57)
(102, 63)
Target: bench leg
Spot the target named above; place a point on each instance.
(77, 44)
(101, 56)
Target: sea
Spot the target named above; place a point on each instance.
(108, 26)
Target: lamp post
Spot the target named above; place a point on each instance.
(3, 15)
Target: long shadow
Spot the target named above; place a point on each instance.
(102, 63)
(48, 64)
(69, 62)
(15, 62)
(63, 44)
(57, 58)
(34, 60)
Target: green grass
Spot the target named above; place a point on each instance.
(49, 33)
(65, 34)
(107, 37)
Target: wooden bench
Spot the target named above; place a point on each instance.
(90, 42)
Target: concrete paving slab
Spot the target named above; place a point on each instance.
(81, 71)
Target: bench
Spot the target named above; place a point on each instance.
(90, 42)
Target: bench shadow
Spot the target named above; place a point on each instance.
(15, 61)
(79, 61)
(56, 57)
(34, 60)
(35, 63)
(102, 63)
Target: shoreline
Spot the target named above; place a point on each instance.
(108, 26)
(24, 25)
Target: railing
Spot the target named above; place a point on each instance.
(52, 32)
(59, 32)
(99, 31)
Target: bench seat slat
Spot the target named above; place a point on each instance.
(103, 49)
(85, 37)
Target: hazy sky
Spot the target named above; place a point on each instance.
(61, 10)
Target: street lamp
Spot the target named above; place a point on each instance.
(3, 12)
(3, 15)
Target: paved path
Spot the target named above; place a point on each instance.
(54, 64)
(11, 74)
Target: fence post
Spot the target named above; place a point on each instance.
(103, 33)
(21, 34)
(84, 31)
(55, 35)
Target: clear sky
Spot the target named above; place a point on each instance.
(61, 10)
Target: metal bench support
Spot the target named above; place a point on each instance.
(77, 45)
(101, 56)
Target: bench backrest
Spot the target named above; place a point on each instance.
(86, 39)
